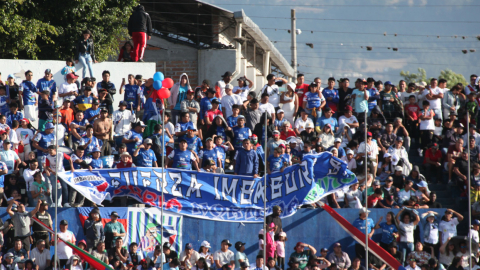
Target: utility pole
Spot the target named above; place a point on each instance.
(294, 44)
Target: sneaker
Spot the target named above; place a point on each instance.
(67, 205)
(140, 60)
(420, 152)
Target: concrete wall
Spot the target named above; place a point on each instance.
(212, 64)
(118, 70)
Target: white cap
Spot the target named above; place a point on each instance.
(292, 140)
(228, 86)
(206, 244)
(309, 125)
(284, 234)
(386, 155)
(280, 111)
(364, 210)
(338, 140)
(350, 151)
(292, 85)
(261, 232)
(398, 168)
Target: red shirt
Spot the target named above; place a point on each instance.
(435, 158)
(413, 110)
(284, 136)
(211, 114)
(452, 149)
(372, 201)
(301, 90)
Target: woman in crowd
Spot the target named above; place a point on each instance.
(326, 136)
(85, 52)
(353, 197)
(420, 255)
(289, 99)
(406, 227)
(456, 264)
(127, 53)
(219, 127)
(389, 230)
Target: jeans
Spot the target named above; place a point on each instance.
(86, 61)
(405, 248)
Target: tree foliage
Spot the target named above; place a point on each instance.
(447, 74)
(40, 29)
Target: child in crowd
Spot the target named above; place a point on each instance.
(232, 119)
(412, 112)
(280, 240)
(96, 162)
(69, 68)
(45, 110)
(438, 131)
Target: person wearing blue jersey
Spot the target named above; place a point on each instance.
(331, 94)
(193, 141)
(275, 162)
(94, 112)
(47, 83)
(209, 154)
(133, 138)
(90, 142)
(145, 155)
(232, 119)
(131, 93)
(182, 158)
(222, 149)
(389, 230)
(27, 90)
(240, 133)
(14, 114)
(220, 128)
(362, 223)
(78, 128)
(373, 94)
(327, 119)
(183, 125)
(3, 101)
(313, 101)
(42, 141)
(246, 160)
(96, 162)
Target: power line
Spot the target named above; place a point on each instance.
(391, 61)
(376, 34)
(310, 5)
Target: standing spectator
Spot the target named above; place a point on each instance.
(85, 53)
(140, 29)
(69, 89)
(132, 93)
(360, 96)
(112, 230)
(122, 118)
(389, 230)
(145, 157)
(300, 89)
(93, 229)
(178, 94)
(13, 90)
(290, 103)
(101, 129)
(246, 160)
(220, 85)
(406, 228)
(448, 226)
(47, 83)
(27, 90)
(301, 255)
(252, 113)
(224, 255)
(182, 158)
(313, 102)
(427, 126)
(39, 232)
(433, 162)
(331, 95)
(229, 100)
(21, 221)
(41, 255)
(271, 88)
(275, 219)
(363, 223)
(451, 101)
(243, 89)
(386, 102)
(191, 106)
(434, 95)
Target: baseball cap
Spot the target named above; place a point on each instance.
(281, 145)
(338, 140)
(240, 117)
(96, 149)
(205, 244)
(435, 145)
(364, 210)
(64, 222)
(280, 111)
(9, 254)
(276, 132)
(190, 91)
(188, 246)
(475, 222)
(324, 249)
(215, 101)
(148, 141)
(141, 124)
(309, 125)
(103, 109)
(48, 71)
(376, 183)
(239, 245)
(49, 126)
(389, 179)
(369, 134)
(422, 184)
(2, 132)
(337, 245)
(299, 244)
(386, 155)
(122, 102)
(350, 152)
(226, 241)
(398, 168)
(114, 213)
(211, 90)
(11, 76)
(228, 86)
(227, 74)
(348, 108)
(400, 138)
(388, 83)
(72, 76)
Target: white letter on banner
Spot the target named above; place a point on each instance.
(127, 178)
(337, 165)
(146, 178)
(259, 192)
(246, 190)
(163, 181)
(115, 179)
(194, 186)
(276, 187)
(215, 186)
(177, 180)
(289, 189)
(227, 190)
(304, 170)
(134, 176)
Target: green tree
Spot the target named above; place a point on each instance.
(421, 76)
(39, 29)
(452, 78)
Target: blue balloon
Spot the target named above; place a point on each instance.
(157, 85)
(158, 76)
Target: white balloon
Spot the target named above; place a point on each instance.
(298, 31)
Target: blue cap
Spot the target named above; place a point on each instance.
(11, 76)
(475, 222)
(388, 83)
(49, 126)
(96, 149)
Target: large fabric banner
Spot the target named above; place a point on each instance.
(233, 198)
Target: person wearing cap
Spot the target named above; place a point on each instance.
(134, 138)
(302, 122)
(230, 99)
(351, 162)
(363, 223)
(348, 119)
(94, 112)
(69, 89)
(401, 154)
(213, 112)
(220, 85)
(40, 233)
(10, 158)
(448, 226)
(93, 230)
(78, 128)
(145, 157)
(21, 222)
(194, 142)
(183, 125)
(275, 162)
(112, 230)
(240, 256)
(191, 106)
(275, 142)
(201, 90)
(206, 104)
(84, 101)
(240, 132)
(14, 114)
(8, 262)
(189, 256)
(41, 141)
(286, 131)
(360, 97)
(339, 257)
(131, 93)
(122, 118)
(302, 255)
(272, 90)
(266, 107)
(182, 158)
(47, 83)
(280, 119)
(224, 255)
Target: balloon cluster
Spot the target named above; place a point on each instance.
(162, 84)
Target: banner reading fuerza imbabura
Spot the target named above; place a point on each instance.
(220, 197)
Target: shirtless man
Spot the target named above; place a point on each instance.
(101, 129)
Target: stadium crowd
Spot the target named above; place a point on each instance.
(224, 128)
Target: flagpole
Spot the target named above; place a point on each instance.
(163, 177)
(366, 191)
(56, 185)
(265, 232)
(468, 189)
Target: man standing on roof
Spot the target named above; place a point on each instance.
(140, 29)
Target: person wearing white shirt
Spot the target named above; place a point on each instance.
(224, 255)
(448, 226)
(68, 90)
(435, 96)
(220, 85)
(228, 100)
(259, 263)
(122, 119)
(40, 255)
(471, 87)
(272, 90)
(349, 118)
(301, 123)
(25, 135)
(242, 89)
(266, 106)
(65, 252)
(412, 265)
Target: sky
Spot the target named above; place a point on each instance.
(341, 27)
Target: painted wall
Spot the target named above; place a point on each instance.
(311, 226)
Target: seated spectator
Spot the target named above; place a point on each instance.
(412, 265)
(286, 132)
(351, 162)
(224, 255)
(406, 193)
(356, 264)
(145, 157)
(327, 119)
(301, 255)
(117, 253)
(189, 257)
(336, 145)
(302, 122)
(421, 256)
(453, 154)
(339, 257)
(399, 179)
(401, 154)
(100, 253)
(385, 168)
(393, 250)
(344, 134)
(308, 135)
(18, 251)
(275, 142)
(416, 177)
(371, 149)
(280, 120)
(326, 136)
